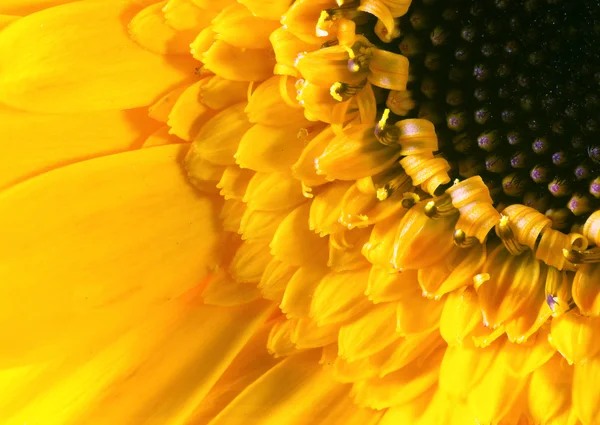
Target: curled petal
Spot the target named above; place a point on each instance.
(527, 223)
(417, 136)
(586, 289)
(426, 170)
(382, 12)
(477, 219)
(388, 70)
(591, 228)
(468, 191)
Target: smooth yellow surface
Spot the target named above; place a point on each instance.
(92, 246)
(56, 61)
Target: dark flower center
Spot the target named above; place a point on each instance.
(513, 88)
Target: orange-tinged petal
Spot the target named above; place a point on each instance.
(187, 15)
(345, 250)
(161, 137)
(34, 143)
(280, 342)
(275, 279)
(239, 27)
(88, 222)
(295, 244)
(410, 313)
(270, 149)
(386, 286)
(373, 331)
(237, 64)
(161, 109)
(401, 386)
(380, 248)
(461, 314)
(25, 7)
(576, 336)
(308, 334)
(273, 192)
(127, 381)
(296, 391)
(251, 362)
(458, 269)
(513, 280)
(586, 289)
(339, 297)
(549, 391)
(260, 224)
(299, 291)
(79, 57)
(268, 9)
(234, 182)
(223, 290)
(218, 138)
(250, 261)
(189, 115)
(586, 397)
(421, 241)
(325, 208)
(6, 20)
(152, 32)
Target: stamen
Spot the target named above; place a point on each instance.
(461, 239)
(440, 207)
(582, 257)
(506, 234)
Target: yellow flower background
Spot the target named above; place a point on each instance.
(215, 212)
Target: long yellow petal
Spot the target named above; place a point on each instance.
(33, 143)
(79, 57)
(92, 246)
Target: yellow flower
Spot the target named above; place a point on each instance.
(299, 212)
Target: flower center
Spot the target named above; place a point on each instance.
(512, 87)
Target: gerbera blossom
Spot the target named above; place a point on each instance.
(299, 212)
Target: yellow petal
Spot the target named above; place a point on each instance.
(458, 269)
(152, 32)
(525, 357)
(127, 381)
(251, 362)
(272, 103)
(237, 64)
(280, 342)
(335, 301)
(275, 279)
(401, 386)
(461, 314)
(217, 139)
(25, 7)
(345, 250)
(234, 182)
(421, 241)
(33, 143)
(161, 109)
(308, 334)
(260, 224)
(287, 47)
(407, 413)
(576, 336)
(295, 244)
(325, 208)
(410, 312)
(57, 61)
(199, 170)
(239, 27)
(189, 115)
(161, 137)
(223, 290)
(268, 9)
(586, 289)
(299, 291)
(270, 149)
(550, 390)
(231, 214)
(96, 217)
(186, 15)
(296, 391)
(273, 192)
(373, 331)
(380, 248)
(6, 20)
(304, 169)
(513, 280)
(586, 401)
(250, 261)
(385, 285)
